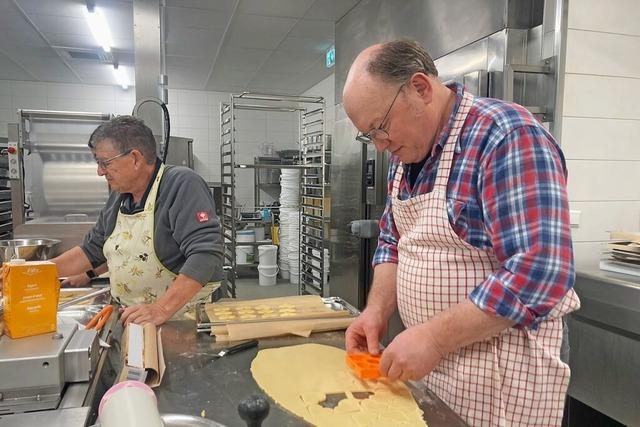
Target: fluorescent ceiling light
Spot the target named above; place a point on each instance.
(121, 76)
(99, 27)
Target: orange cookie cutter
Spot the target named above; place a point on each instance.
(364, 365)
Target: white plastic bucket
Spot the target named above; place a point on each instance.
(267, 275)
(259, 233)
(294, 279)
(268, 255)
(284, 274)
(244, 254)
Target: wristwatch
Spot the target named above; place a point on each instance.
(91, 274)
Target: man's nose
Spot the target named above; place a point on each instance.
(101, 171)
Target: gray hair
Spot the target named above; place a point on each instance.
(398, 60)
(126, 133)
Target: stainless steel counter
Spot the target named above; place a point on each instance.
(193, 383)
(605, 344)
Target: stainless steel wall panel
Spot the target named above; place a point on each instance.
(441, 25)
(347, 204)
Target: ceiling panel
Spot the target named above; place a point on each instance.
(53, 69)
(48, 24)
(314, 29)
(196, 18)
(314, 74)
(224, 88)
(330, 10)
(68, 8)
(28, 52)
(305, 44)
(290, 8)
(9, 70)
(224, 5)
(257, 31)
(186, 78)
(94, 73)
(188, 62)
(270, 45)
(231, 76)
(282, 61)
(195, 42)
(203, 37)
(243, 57)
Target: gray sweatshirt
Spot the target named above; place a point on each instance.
(187, 235)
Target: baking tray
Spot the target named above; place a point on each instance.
(335, 303)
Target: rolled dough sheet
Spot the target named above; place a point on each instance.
(299, 378)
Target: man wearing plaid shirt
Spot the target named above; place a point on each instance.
(475, 246)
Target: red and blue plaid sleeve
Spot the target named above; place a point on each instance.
(387, 250)
(522, 187)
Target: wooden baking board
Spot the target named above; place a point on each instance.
(271, 309)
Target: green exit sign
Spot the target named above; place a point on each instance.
(330, 58)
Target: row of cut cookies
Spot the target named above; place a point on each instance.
(243, 313)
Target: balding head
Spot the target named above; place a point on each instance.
(361, 85)
(393, 95)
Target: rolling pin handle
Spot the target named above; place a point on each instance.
(254, 410)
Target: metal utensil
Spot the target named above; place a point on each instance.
(236, 348)
(83, 298)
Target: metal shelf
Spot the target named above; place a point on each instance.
(311, 116)
(313, 152)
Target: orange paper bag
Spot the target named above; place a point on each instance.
(31, 290)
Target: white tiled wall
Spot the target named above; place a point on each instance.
(600, 133)
(194, 114)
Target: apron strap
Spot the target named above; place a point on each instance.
(446, 158)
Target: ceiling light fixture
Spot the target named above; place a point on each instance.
(121, 76)
(99, 28)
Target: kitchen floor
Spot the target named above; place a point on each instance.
(248, 288)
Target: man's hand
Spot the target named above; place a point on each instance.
(366, 331)
(411, 355)
(76, 281)
(145, 313)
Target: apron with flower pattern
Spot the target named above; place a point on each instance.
(513, 378)
(136, 274)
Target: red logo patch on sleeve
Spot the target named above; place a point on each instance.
(202, 216)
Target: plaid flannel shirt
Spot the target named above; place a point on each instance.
(506, 193)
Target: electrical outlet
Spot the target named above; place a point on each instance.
(574, 218)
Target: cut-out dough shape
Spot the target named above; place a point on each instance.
(285, 375)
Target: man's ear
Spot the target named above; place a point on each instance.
(422, 86)
(138, 158)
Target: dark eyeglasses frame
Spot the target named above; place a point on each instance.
(373, 134)
(104, 164)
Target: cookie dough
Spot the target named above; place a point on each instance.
(300, 377)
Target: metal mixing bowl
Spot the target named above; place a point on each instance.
(34, 249)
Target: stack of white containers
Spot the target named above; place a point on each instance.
(294, 247)
(289, 224)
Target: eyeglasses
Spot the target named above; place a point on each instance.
(379, 132)
(105, 163)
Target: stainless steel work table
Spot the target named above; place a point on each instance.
(193, 382)
(605, 344)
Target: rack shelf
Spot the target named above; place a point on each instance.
(311, 135)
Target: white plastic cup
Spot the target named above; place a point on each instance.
(129, 403)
